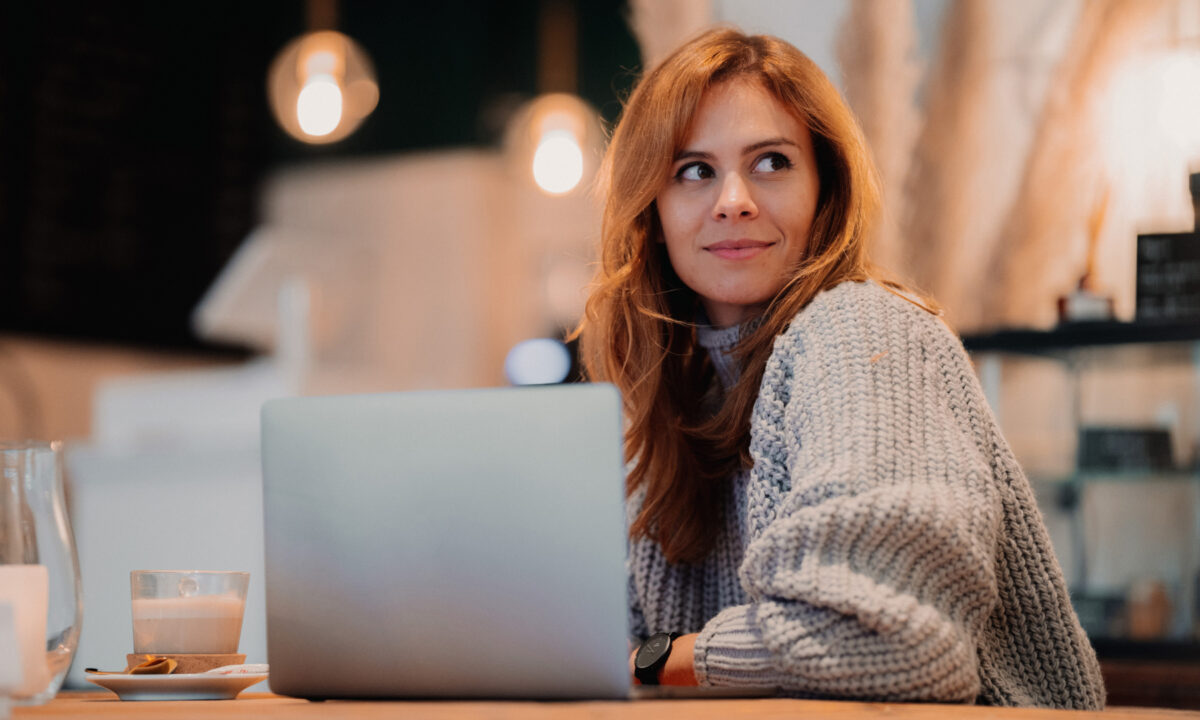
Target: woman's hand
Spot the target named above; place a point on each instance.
(678, 670)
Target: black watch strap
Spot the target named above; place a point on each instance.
(652, 656)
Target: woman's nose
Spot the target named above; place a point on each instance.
(735, 199)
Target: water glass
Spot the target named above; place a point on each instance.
(39, 567)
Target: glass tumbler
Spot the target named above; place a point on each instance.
(39, 567)
(189, 612)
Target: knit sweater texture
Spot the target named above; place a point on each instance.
(885, 544)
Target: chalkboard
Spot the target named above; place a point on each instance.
(1120, 448)
(1168, 277)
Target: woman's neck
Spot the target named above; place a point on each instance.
(723, 315)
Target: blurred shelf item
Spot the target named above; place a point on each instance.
(1125, 516)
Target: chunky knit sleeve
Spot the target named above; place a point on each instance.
(873, 514)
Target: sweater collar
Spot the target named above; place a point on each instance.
(720, 344)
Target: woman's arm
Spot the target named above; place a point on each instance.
(873, 517)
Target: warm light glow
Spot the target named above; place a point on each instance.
(321, 62)
(1148, 125)
(558, 137)
(1180, 111)
(321, 87)
(558, 162)
(319, 105)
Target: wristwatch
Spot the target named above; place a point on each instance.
(652, 656)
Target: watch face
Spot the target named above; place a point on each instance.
(652, 650)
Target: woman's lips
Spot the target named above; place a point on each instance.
(737, 249)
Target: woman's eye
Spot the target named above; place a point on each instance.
(694, 171)
(772, 162)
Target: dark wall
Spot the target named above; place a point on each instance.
(134, 135)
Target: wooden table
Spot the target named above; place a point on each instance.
(262, 706)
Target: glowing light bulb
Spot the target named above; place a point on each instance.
(558, 162)
(319, 105)
(321, 87)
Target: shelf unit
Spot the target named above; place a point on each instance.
(1080, 348)
(1075, 336)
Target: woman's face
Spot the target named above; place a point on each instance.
(737, 210)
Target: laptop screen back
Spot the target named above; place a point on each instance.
(463, 543)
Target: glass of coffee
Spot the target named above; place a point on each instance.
(187, 611)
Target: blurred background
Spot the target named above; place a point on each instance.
(203, 206)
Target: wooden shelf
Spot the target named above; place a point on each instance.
(1070, 336)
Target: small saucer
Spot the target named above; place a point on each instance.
(192, 686)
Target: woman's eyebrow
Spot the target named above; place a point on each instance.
(697, 154)
(769, 142)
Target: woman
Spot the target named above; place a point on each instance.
(819, 497)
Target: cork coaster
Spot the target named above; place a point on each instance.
(187, 663)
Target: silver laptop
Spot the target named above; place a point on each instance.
(464, 543)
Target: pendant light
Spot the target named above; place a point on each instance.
(321, 85)
(556, 137)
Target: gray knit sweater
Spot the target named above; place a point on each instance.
(885, 544)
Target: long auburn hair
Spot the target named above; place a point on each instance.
(638, 330)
